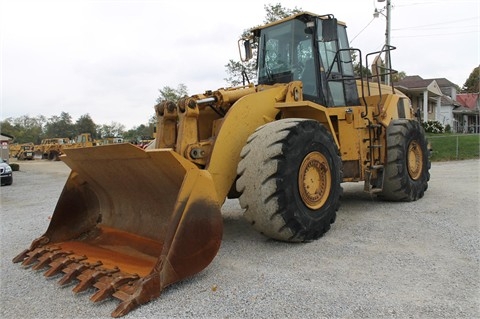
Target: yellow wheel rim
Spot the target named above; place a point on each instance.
(314, 180)
(414, 160)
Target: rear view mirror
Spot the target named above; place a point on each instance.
(245, 52)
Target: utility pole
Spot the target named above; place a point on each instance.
(387, 16)
(387, 42)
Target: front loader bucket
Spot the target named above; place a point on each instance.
(129, 222)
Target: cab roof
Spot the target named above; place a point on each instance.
(295, 16)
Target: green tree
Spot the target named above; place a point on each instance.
(7, 127)
(359, 68)
(168, 93)
(397, 77)
(60, 126)
(24, 129)
(276, 12)
(114, 129)
(85, 124)
(29, 129)
(365, 71)
(140, 132)
(472, 85)
(238, 72)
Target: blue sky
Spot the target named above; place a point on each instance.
(109, 58)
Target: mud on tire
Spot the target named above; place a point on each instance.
(407, 166)
(289, 179)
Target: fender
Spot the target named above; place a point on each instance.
(243, 118)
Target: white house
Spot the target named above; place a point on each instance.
(434, 99)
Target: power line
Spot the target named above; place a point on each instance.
(362, 30)
(432, 35)
(433, 2)
(440, 23)
(440, 28)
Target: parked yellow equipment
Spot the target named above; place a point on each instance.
(51, 148)
(130, 222)
(24, 152)
(84, 140)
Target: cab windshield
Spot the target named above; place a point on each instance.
(313, 50)
(284, 51)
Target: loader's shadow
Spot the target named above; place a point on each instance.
(354, 192)
(354, 201)
(237, 228)
(237, 232)
(243, 249)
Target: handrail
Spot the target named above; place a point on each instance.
(380, 70)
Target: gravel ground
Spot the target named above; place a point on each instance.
(379, 260)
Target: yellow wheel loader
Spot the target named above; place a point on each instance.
(25, 152)
(130, 222)
(51, 148)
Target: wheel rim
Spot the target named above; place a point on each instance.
(314, 180)
(414, 160)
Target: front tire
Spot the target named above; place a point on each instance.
(289, 179)
(408, 163)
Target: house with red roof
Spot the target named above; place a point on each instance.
(467, 115)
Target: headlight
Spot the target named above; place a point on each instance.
(8, 169)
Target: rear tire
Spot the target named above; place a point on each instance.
(289, 179)
(408, 163)
(53, 156)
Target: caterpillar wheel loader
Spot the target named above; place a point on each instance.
(129, 222)
(51, 148)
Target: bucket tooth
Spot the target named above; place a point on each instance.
(39, 242)
(137, 293)
(125, 292)
(33, 256)
(75, 269)
(125, 307)
(38, 254)
(60, 264)
(107, 285)
(20, 257)
(89, 277)
(47, 258)
(122, 294)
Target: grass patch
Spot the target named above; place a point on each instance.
(447, 147)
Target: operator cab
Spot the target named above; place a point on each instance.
(313, 49)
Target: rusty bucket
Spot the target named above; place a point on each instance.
(129, 222)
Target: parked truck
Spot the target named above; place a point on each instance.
(130, 221)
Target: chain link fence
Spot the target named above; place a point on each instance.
(454, 146)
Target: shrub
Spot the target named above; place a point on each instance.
(15, 167)
(433, 127)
